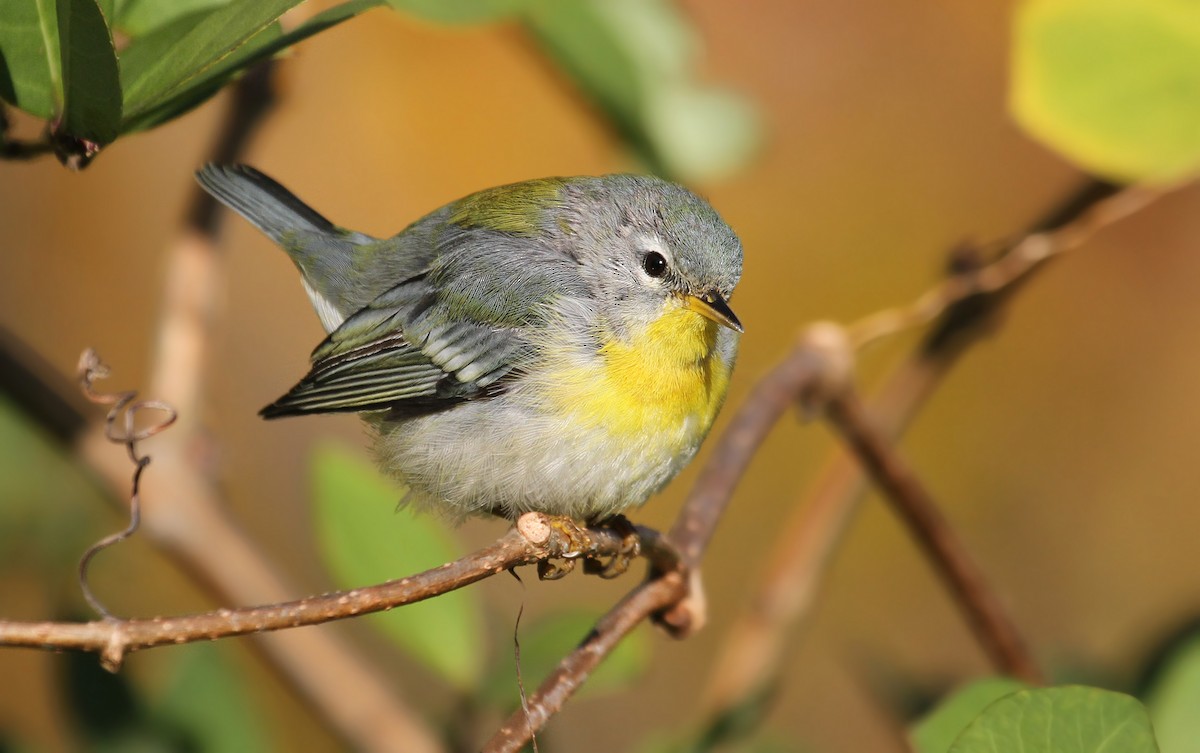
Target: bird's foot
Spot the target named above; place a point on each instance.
(577, 545)
(631, 547)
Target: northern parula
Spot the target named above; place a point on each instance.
(560, 345)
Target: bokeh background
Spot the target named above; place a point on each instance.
(1064, 448)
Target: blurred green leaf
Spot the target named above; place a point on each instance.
(1113, 85)
(108, 10)
(459, 11)
(206, 698)
(90, 81)
(702, 132)
(1174, 700)
(30, 69)
(150, 77)
(938, 730)
(263, 45)
(50, 510)
(1068, 719)
(140, 17)
(203, 708)
(365, 541)
(636, 60)
(548, 640)
(573, 32)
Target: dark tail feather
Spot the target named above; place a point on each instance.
(267, 205)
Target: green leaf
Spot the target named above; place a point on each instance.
(936, 732)
(364, 541)
(206, 699)
(701, 132)
(203, 708)
(90, 81)
(547, 641)
(1113, 85)
(140, 17)
(265, 44)
(160, 44)
(636, 60)
(149, 80)
(1068, 719)
(1175, 698)
(50, 510)
(573, 32)
(459, 11)
(30, 68)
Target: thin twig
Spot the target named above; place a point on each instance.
(116, 638)
(995, 630)
(819, 361)
(122, 404)
(1031, 252)
(644, 601)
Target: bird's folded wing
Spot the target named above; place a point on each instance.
(404, 351)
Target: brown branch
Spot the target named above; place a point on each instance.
(673, 596)
(750, 657)
(643, 602)
(800, 558)
(1030, 253)
(819, 361)
(993, 627)
(114, 638)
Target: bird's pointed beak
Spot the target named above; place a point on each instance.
(712, 306)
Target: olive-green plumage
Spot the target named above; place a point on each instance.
(553, 345)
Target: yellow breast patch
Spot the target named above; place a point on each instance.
(667, 381)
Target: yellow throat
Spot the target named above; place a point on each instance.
(668, 380)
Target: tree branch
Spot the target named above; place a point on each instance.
(674, 596)
(643, 602)
(801, 555)
(994, 629)
(114, 638)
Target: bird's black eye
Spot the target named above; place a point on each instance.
(655, 264)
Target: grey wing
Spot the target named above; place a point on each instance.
(404, 353)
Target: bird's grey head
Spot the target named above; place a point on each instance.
(643, 241)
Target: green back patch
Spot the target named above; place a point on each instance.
(515, 208)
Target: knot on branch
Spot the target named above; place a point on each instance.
(689, 614)
(827, 348)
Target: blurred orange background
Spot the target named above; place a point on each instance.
(1061, 448)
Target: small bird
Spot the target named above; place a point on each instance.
(559, 345)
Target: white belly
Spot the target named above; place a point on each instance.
(503, 455)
